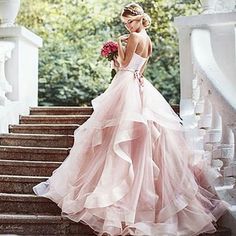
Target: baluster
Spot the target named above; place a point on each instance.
(225, 6)
(230, 155)
(213, 135)
(199, 108)
(214, 6)
(226, 150)
(196, 90)
(5, 53)
(212, 141)
(234, 143)
(195, 135)
(208, 6)
(205, 117)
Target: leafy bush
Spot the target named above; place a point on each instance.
(71, 70)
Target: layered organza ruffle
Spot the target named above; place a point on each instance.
(131, 170)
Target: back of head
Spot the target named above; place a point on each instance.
(135, 11)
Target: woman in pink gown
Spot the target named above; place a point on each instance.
(131, 170)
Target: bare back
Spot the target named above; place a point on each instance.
(144, 48)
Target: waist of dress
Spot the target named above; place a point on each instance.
(128, 69)
(137, 74)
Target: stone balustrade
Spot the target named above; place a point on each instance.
(208, 95)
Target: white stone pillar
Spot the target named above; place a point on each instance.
(21, 72)
(186, 76)
(22, 69)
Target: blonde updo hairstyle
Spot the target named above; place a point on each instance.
(135, 12)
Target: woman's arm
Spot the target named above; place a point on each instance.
(121, 53)
(125, 56)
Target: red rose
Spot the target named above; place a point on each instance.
(109, 50)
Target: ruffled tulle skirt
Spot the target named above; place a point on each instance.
(131, 170)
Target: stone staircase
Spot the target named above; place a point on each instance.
(28, 155)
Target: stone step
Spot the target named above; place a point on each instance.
(36, 140)
(13, 203)
(55, 225)
(221, 231)
(53, 119)
(29, 168)
(48, 224)
(60, 110)
(33, 153)
(65, 129)
(22, 224)
(23, 166)
(19, 184)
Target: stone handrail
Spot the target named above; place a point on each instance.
(219, 93)
(214, 96)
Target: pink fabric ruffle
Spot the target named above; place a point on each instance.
(131, 170)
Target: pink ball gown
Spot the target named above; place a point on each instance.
(131, 170)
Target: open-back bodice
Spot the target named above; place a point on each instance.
(136, 62)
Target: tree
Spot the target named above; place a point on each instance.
(71, 70)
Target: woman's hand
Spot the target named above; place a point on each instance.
(116, 62)
(121, 48)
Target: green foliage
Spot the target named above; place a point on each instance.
(163, 69)
(71, 70)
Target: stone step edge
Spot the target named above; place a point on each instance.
(23, 197)
(48, 219)
(44, 126)
(27, 136)
(7, 162)
(73, 107)
(53, 116)
(60, 107)
(22, 178)
(27, 218)
(23, 218)
(50, 150)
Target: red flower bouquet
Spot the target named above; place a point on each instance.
(110, 51)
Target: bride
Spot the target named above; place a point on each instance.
(131, 171)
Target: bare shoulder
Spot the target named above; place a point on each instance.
(134, 36)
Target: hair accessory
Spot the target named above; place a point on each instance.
(133, 11)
